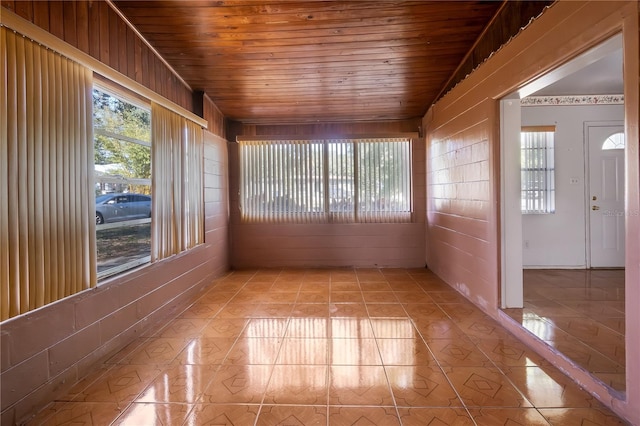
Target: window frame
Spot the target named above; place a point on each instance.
(122, 96)
(329, 214)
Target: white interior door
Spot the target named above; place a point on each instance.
(606, 195)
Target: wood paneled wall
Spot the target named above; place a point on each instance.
(509, 21)
(323, 129)
(214, 117)
(96, 29)
(463, 179)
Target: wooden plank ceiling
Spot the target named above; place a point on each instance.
(281, 61)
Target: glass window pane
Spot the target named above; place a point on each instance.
(537, 172)
(122, 170)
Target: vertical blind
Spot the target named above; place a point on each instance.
(47, 241)
(384, 173)
(176, 178)
(334, 180)
(281, 181)
(537, 169)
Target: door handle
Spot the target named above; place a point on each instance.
(595, 208)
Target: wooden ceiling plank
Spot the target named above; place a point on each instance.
(288, 60)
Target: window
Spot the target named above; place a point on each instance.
(537, 169)
(615, 141)
(76, 166)
(122, 150)
(335, 180)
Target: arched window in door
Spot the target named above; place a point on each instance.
(615, 141)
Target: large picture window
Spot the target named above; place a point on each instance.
(333, 180)
(537, 169)
(122, 150)
(78, 190)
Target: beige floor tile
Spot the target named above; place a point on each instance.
(415, 296)
(309, 328)
(184, 328)
(458, 353)
(81, 413)
(266, 327)
(313, 297)
(343, 351)
(350, 416)
(313, 310)
(508, 416)
(206, 351)
(201, 311)
(434, 416)
(438, 328)
(379, 297)
(375, 286)
(405, 352)
(395, 328)
(547, 387)
(485, 387)
(222, 415)
(157, 350)
(350, 327)
(280, 297)
(359, 385)
(254, 350)
(303, 351)
(581, 416)
(510, 352)
(292, 415)
(297, 384)
(238, 384)
(292, 286)
(419, 386)
(153, 414)
(179, 383)
(346, 297)
(237, 310)
(338, 286)
(351, 310)
(272, 310)
(224, 327)
(216, 297)
(386, 310)
(121, 384)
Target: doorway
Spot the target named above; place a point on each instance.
(549, 283)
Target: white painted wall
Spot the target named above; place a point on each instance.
(558, 240)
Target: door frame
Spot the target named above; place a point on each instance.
(587, 181)
(511, 280)
(512, 286)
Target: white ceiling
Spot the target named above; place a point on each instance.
(601, 77)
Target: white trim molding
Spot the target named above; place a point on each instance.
(572, 100)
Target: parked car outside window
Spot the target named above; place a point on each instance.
(118, 207)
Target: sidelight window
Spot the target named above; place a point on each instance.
(537, 169)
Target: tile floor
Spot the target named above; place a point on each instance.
(327, 347)
(581, 313)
